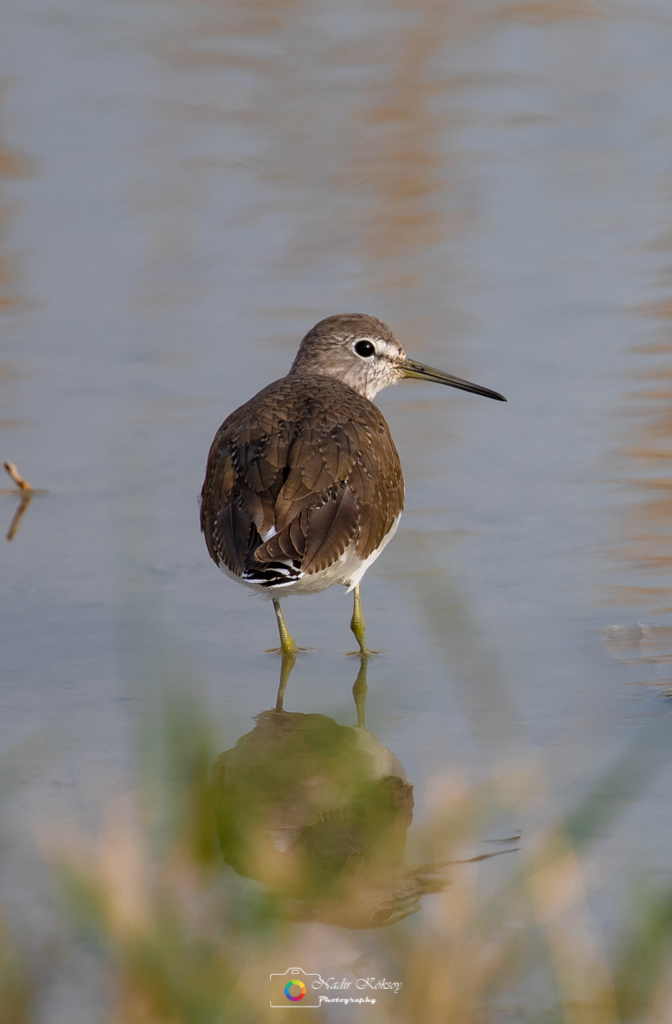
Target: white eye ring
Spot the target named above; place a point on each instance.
(364, 348)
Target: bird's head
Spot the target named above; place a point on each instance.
(364, 353)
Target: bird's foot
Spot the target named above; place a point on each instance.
(289, 652)
(363, 652)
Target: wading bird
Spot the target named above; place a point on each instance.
(303, 487)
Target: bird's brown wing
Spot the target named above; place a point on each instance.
(309, 458)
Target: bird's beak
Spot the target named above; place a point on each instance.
(411, 368)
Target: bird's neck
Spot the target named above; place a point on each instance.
(366, 387)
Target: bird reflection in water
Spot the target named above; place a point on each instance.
(319, 813)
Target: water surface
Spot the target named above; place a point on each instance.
(185, 188)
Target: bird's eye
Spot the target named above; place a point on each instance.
(365, 348)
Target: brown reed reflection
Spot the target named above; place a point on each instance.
(12, 165)
(362, 172)
(395, 149)
(545, 12)
(647, 545)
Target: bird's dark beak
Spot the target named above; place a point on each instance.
(411, 368)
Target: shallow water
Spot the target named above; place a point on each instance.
(185, 189)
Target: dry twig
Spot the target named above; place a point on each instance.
(22, 484)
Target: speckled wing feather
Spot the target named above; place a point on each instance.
(309, 465)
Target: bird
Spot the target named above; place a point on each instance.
(304, 487)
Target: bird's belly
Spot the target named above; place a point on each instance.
(346, 570)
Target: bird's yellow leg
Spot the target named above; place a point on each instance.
(287, 645)
(288, 662)
(357, 626)
(359, 690)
